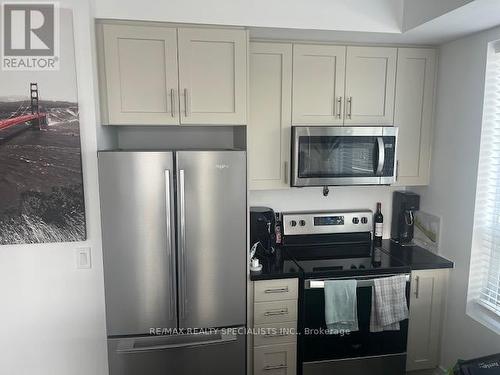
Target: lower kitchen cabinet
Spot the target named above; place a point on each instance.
(275, 324)
(414, 114)
(428, 289)
(270, 115)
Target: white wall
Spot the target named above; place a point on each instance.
(451, 193)
(340, 198)
(355, 15)
(52, 314)
(417, 12)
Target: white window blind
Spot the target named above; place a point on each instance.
(485, 265)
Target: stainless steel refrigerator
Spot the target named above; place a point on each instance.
(174, 245)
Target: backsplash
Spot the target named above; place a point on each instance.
(340, 198)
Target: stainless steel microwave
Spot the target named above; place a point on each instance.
(334, 155)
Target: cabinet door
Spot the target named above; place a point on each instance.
(413, 114)
(426, 313)
(140, 64)
(318, 84)
(269, 115)
(212, 74)
(370, 82)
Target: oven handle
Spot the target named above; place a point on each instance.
(362, 280)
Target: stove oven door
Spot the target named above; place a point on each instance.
(360, 352)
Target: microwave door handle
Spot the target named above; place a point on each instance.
(381, 156)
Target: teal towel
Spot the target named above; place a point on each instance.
(341, 311)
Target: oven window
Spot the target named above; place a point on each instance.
(344, 156)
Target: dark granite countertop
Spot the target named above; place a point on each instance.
(276, 267)
(416, 257)
(402, 258)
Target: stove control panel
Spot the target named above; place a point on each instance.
(327, 222)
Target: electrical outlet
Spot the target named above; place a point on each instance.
(83, 258)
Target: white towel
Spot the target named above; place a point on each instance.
(388, 303)
(341, 311)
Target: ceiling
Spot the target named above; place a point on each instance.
(472, 17)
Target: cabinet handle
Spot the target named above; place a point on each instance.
(270, 335)
(397, 169)
(277, 290)
(285, 166)
(339, 107)
(417, 286)
(349, 113)
(187, 109)
(172, 102)
(275, 313)
(277, 367)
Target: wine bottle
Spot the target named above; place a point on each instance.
(379, 225)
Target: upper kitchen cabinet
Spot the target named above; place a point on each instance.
(269, 115)
(318, 84)
(369, 85)
(157, 75)
(212, 76)
(413, 114)
(138, 67)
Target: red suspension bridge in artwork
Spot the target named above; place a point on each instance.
(27, 114)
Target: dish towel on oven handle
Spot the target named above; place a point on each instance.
(388, 303)
(341, 310)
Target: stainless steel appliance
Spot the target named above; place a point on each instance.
(338, 245)
(404, 205)
(174, 244)
(329, 155)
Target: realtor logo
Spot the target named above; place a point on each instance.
(30, 36)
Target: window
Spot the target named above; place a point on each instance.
(484, 283)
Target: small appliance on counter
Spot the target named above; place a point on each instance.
(404, 206)
(262, 236)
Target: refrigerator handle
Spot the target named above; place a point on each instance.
(182, 243)
(168, 228)
(130, 346)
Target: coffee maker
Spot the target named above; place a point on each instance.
(404, 205)
(262, 232)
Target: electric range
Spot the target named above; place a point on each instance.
(330, 245)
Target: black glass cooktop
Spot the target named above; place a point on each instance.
(379, 262)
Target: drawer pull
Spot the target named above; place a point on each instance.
(276, 312)
(270, 335)
(278, 367)
(276, 290)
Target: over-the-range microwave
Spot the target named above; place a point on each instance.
(340, 155)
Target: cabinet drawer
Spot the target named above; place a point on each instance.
(275, 312)
(275, 333)
(275, 360)
(275, 290)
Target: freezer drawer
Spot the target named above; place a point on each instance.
(207, 354)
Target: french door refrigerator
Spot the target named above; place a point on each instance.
(174, 245)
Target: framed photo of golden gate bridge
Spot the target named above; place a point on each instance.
(41, 183)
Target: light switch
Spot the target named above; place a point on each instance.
(83, 258)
